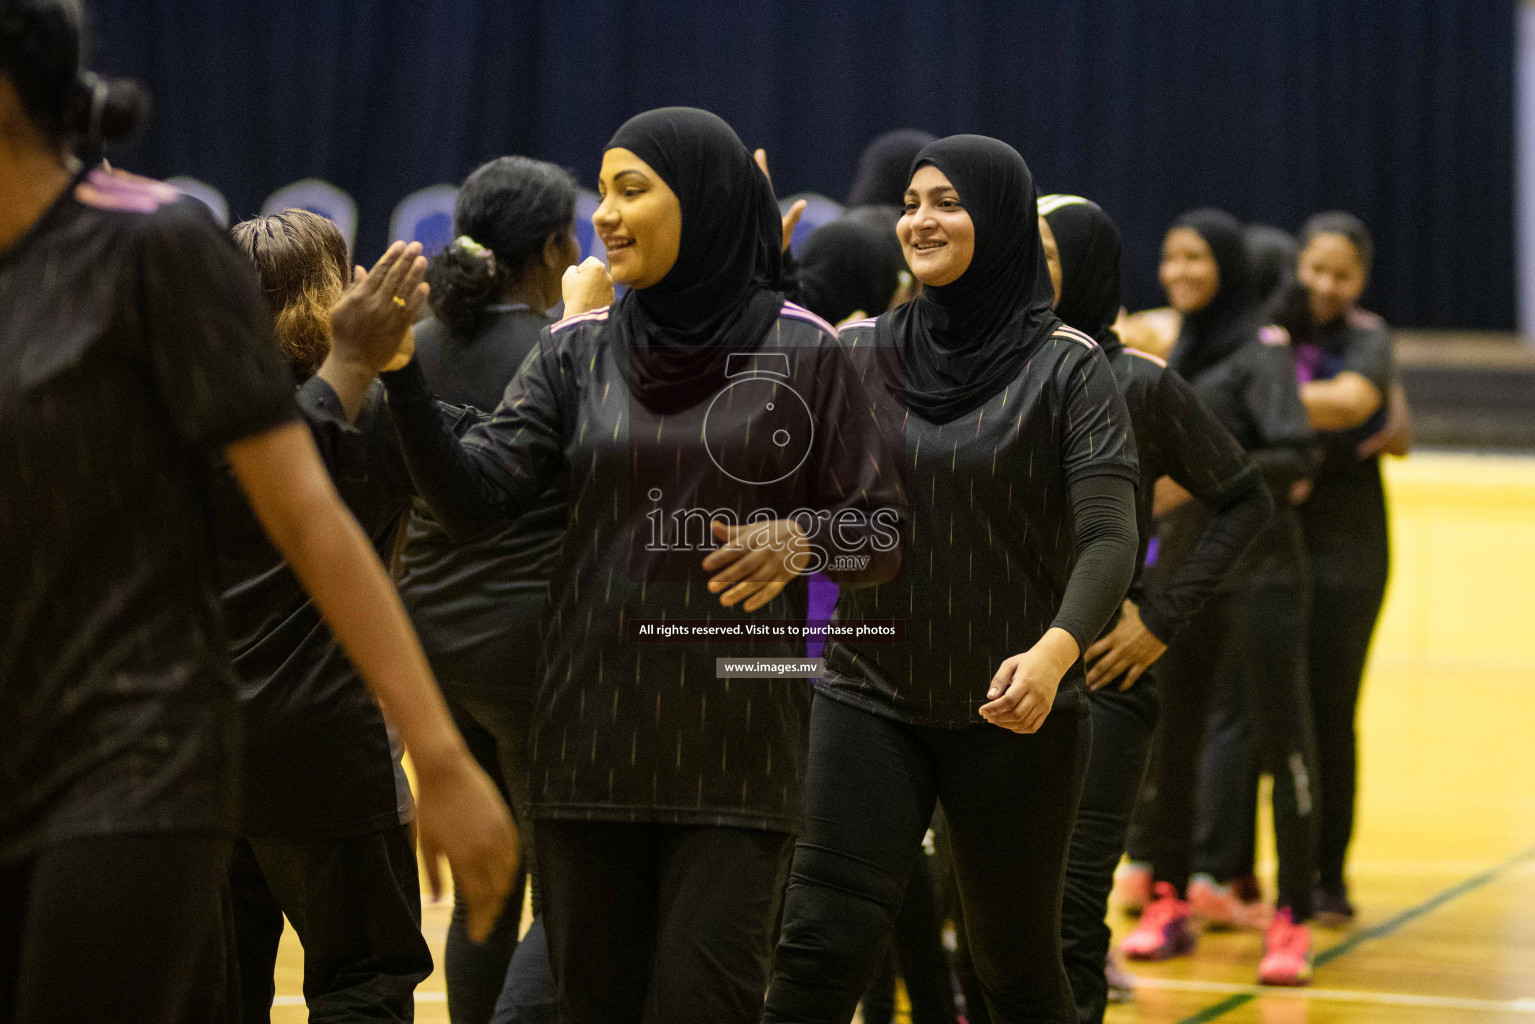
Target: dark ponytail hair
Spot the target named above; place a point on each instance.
(42, 54)
(506, 211)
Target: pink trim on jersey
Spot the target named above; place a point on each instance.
(1273, 334)
(866, 322)
(801, 313)
(118, 190)
(1076, 335)
(1364, 319)
(1147, 356)
(600, 313)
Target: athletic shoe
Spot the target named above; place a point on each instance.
(1286, 952)
(1121, 982)
(1219, 908)
(1165, 930)
(1333, 910)
(1132, 887)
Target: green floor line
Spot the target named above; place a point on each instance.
(1385, 928)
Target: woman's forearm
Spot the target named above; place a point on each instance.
(1103, 517)
(1342, 403)
(465, 500)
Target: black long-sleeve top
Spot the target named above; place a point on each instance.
(1255, 396)
(1344, 519)
(627, 729)
(1177, 436)
(316, 758)
(477, 605)
(1001, 500)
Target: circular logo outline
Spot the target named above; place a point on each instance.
(773, 379)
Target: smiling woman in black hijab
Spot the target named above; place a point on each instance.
(721, 295)
(665, 795)
(1255, 634)
(1176, 435)
(1022, 539)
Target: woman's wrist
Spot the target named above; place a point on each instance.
(1060, 648)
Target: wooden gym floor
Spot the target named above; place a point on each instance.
(1443, 863)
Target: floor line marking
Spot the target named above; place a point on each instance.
(1381, 930)
(1525, 1005)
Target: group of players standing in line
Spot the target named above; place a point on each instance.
(189, 529)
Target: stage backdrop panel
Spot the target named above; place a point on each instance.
(1401, 110)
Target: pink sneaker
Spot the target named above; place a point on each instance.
(1286, 952)
(1132, 887)
(1165, 930)
(1219, 908)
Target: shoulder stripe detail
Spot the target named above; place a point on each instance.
(801, 313)
(1147, 356)
(581, 318)
(118, 190)
(1076, 335)
(1364, 319)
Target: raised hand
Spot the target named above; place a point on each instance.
(586, 287)
(790, 219)
(373, 319)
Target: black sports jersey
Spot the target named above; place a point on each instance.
(316, 759)
(1176, 435)
(990, 543)
(1253, 392)
(627, 729)
(477, 605)
(1344, 519)
(134, 345)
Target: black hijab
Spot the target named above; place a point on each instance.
(963, 342)
(884, 168)
(721, 295)
(1272, 252)
(846, 266)
(1230, 321)
(1088, 242)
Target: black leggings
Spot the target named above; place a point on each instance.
(659, 923)
(1008, 800)
(495, 728)
(1342, 623)
(355, 903)
(1226, 839)
(1123, 724)
(126, 929)
(916, 955)
(1259, 635)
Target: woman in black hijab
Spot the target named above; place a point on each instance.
(848, 268)
(1022, 471)
(689, 425)
(1246, 373)
(884, 168)
(1176, 435)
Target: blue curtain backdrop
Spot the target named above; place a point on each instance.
(1400, 110)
